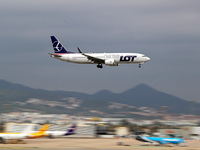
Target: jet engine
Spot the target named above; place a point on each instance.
(111, 62)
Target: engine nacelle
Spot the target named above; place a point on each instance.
(111, 62)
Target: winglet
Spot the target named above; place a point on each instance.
(79, 50)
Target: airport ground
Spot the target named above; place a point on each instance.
(92, 144)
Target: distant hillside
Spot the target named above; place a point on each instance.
(16, 97)
(143, 95)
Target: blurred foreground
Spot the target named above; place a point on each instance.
(94, 143)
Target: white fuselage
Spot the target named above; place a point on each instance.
(112, 59)
(13, 136)
(55, 133)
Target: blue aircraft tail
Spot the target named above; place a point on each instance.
(71, 130)
(57, 46)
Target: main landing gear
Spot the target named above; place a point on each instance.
(100, 66)
(140, 65)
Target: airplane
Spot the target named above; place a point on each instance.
(70, 131)
(16, 136)
(25, 134)
(110, 59)
(40, 132)
(160, 140)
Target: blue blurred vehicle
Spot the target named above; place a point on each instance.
(160, 140)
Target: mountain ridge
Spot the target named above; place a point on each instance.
(141, 95)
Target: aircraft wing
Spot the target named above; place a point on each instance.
(93, 59)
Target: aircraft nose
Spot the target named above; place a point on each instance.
(147, 58)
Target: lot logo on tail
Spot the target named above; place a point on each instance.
(57, 46)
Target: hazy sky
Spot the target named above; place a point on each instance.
(167, 31)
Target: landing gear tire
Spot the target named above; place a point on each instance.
(100, 66)
(139, 66)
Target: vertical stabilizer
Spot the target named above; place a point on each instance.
(44, 128)
(57, 46)
(71, 130)
(40, 132)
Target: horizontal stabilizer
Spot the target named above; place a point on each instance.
(54, 55)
